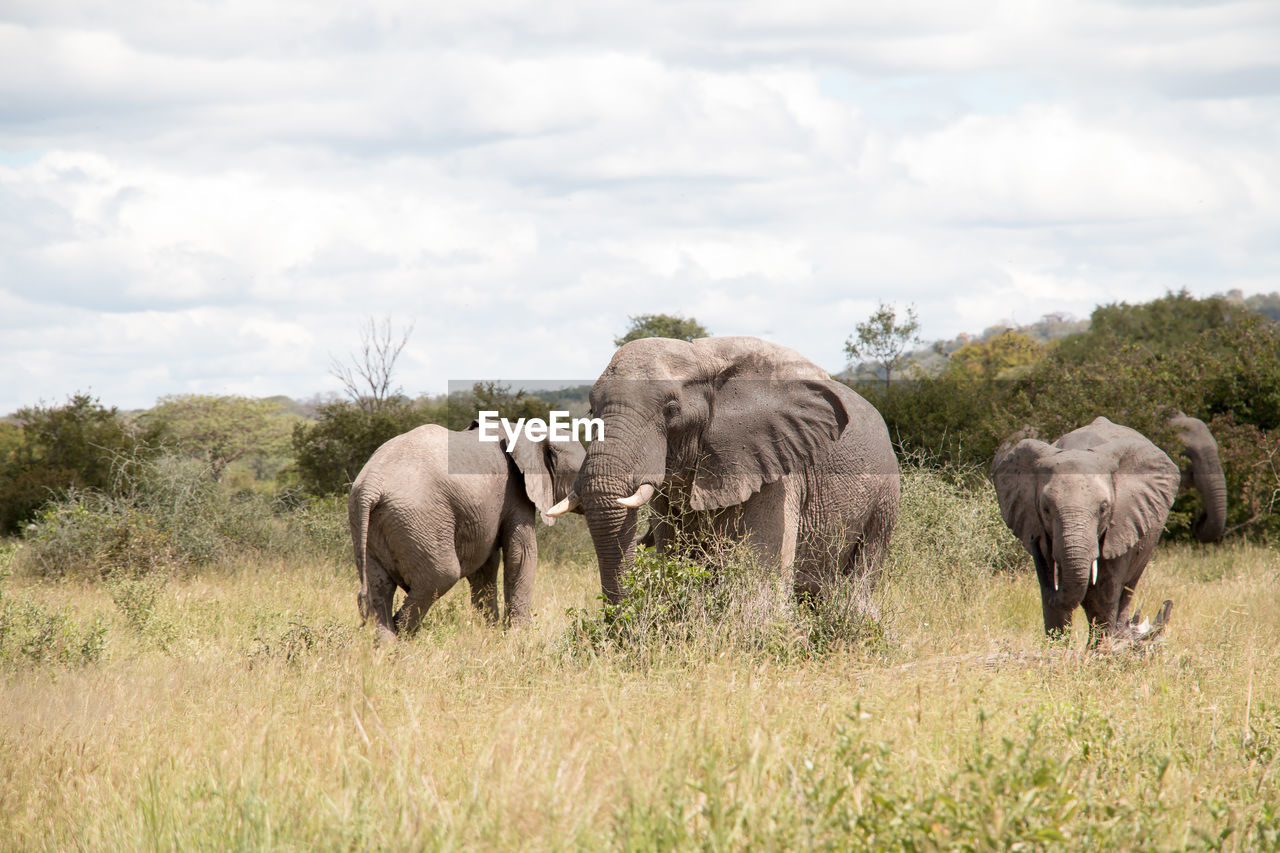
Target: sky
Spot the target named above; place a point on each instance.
(214, 197)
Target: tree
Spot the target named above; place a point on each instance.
(222, 429)
(883, 340)
(662, 326)
(61, 448)
(368, 378)
(998, 357)
(329, 452)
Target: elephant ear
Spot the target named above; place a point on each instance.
(1013, 473)
(531, 457)
(1146, 482)
(760, 430)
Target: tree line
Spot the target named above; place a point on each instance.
(950, 406)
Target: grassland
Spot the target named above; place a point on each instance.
(243, 707)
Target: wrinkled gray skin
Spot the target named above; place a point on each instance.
(1101, 492)
(1204, 472)
(433, 506)
(745, 437)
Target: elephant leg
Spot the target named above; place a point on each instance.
(519, 568)
(484, 587)
(382, 593)
(1103, 601)
(416, 604)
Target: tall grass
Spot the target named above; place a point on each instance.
(264, 716)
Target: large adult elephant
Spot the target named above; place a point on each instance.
(1204, 472)
(1089, 508)
(433, 506)
(749, 434)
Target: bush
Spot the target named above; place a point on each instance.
(167, 514)
(33, 634)
(713, 596)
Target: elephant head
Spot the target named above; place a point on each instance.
(713, 420)
(1205, 473)
(548, 469)
(1093, 495)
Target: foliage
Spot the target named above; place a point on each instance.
(999, 357)
(717, 594)
(883, 340)
(32, 634)
(661, 326)
(62, 448)
(166, 514)
(330, 451)
(221, 429)
(1210, 358)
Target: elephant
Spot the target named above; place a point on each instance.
(1089, 508)
(745, 437)
(1204, 472)
(432, 506)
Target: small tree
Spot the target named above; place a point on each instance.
(662, 326)
(883, 340)
(368, 378)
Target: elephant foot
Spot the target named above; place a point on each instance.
(384, 637)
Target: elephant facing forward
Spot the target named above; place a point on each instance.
(1089, 508)
(744, 436)
(432, 506)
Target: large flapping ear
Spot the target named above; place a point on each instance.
(1013, 473)
(761, 429)
(1146, 482)
(531, 457)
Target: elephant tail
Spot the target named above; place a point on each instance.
(359, 507)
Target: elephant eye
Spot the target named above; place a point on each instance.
(672, 408)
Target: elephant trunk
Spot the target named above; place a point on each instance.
(1211, 524)
(1075, 551)
(608, 477)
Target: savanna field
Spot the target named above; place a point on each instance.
(243, 706)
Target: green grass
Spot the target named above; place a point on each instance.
(244, 707)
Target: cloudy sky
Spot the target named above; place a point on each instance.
(211, 197)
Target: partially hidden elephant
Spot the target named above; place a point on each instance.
(432, 506)
(1204, 473)
(1089, 508)
(744, 437)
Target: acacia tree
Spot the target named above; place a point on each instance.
(662, 326)
(883, 340)
(368, 378)
(222, 429)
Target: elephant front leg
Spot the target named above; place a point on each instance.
(484, 587)
(1057, 619)
(1106, 600)
(519, 567)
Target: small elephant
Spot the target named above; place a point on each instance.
(1204, 472)
(739, 432)
(432, 506)
(1089, 509)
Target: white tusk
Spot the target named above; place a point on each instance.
(1093, 581)
(639, 499)
(1055, 576)
(569, 504)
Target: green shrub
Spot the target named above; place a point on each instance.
(168, 513)
(33, 634)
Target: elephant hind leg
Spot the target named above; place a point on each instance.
(382, 591)
(416, 604)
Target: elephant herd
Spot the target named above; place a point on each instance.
(750, 441)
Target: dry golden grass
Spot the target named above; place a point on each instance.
(248, 709)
